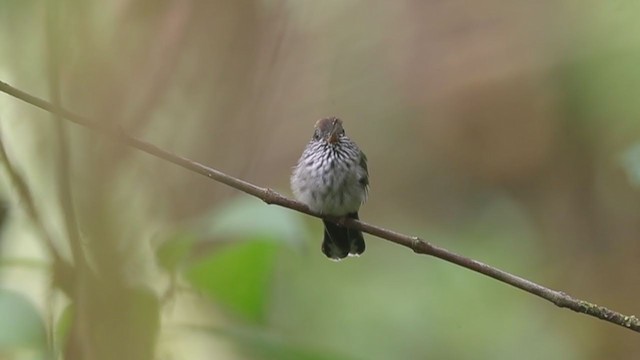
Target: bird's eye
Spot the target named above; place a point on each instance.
(316, 136)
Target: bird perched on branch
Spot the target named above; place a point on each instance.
(332, 178)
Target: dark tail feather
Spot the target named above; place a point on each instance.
(341, 241)
(356, 241)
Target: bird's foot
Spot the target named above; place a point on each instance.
(341, 220)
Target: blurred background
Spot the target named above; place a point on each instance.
(505, 131)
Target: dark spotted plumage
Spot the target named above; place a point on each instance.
(332, 178)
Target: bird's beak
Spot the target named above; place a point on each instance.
(333, 137)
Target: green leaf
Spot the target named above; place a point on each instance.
(247, 217)
(238, 276)
(22, 326)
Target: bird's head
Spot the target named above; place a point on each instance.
(329, 130)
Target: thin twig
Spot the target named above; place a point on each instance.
(269, 196)
(61, 268)
(25, 198)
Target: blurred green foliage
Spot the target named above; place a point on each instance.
(260, 345)
(505, 131)
(238, 277)
(22, 327)
(239, 274)
(247, 218)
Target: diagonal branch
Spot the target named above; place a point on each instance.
(269, 196)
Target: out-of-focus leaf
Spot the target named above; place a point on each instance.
(172, 253)
(249, 218)
(238, 277)
(261, 345)
(63, 326)
(22, 327)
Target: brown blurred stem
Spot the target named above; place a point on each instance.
(64, 169)
(269, 196)
(77, 346)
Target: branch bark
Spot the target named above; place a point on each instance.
(269, 196)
